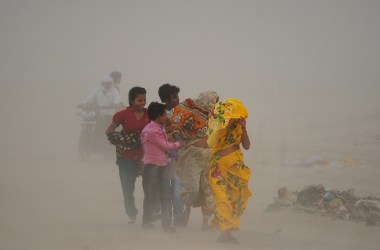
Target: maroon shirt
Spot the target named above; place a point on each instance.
(129, 122)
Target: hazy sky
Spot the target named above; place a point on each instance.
(307, 70)
(52, 53)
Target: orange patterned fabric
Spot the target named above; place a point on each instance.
(188, 120)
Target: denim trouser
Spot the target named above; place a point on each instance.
(178, 204)
(128, 173)
(156, 181)
(176, 187)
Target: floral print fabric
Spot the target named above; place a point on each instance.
(228, 175)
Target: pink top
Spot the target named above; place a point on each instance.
(156, 145)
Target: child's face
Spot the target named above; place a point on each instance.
(139, 102)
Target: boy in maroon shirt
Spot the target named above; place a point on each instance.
(133, 119)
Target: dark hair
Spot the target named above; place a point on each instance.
(115, 74)
(134, 92)
(166, 90)
(155, 109)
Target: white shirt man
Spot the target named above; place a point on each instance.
(106, 98)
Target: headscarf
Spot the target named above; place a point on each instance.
(220, 116)
(206, 100)
(106, 79)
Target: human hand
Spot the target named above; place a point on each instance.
(182, 143)
(242, 121)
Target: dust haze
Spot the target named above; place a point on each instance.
(308, 72)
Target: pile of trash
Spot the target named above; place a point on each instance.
(335, 204)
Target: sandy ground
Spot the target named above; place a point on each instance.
(54, 204)
(52, 200)
(49, 199)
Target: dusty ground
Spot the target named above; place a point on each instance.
(54, 204)
(49, 199)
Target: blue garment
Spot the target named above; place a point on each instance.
(176, 188)
(156, 181)
(128, 173)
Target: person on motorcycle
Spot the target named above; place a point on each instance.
(116, 76)
(104, 101)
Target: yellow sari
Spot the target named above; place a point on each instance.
(228, 175)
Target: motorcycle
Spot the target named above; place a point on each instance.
(87, 134)
(92, 138)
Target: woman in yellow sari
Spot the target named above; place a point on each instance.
(228, 175)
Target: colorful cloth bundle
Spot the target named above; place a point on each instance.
(124, 141)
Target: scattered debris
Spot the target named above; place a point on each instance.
(285, 198)
(336, 204)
